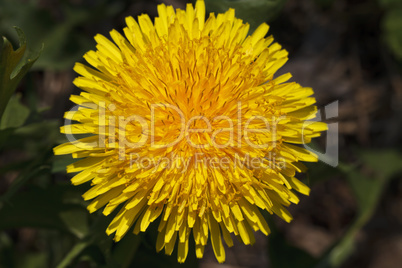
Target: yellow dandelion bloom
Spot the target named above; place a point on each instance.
(190, 129)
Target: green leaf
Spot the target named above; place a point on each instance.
(13, 66)
(76, 220)
(74, 253)
(15, 114)
(96, 236)
(32, 260)
(64, 39)
(125, 250)
(381, 166)
(318, 172)
(36, 130)
(386, 163)
(60, 162)
(392, 27)
(30, 138)
(254, 12)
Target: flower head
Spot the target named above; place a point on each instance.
(189, 128)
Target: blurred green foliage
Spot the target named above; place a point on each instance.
(63, 33)
(392, 25)
(14, 64)
(15, 113)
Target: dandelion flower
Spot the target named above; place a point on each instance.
(188, 127)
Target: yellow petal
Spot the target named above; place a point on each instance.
(216, 240)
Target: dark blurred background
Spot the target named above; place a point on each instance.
(348, 51)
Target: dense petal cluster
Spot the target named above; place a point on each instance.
(189, 127)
